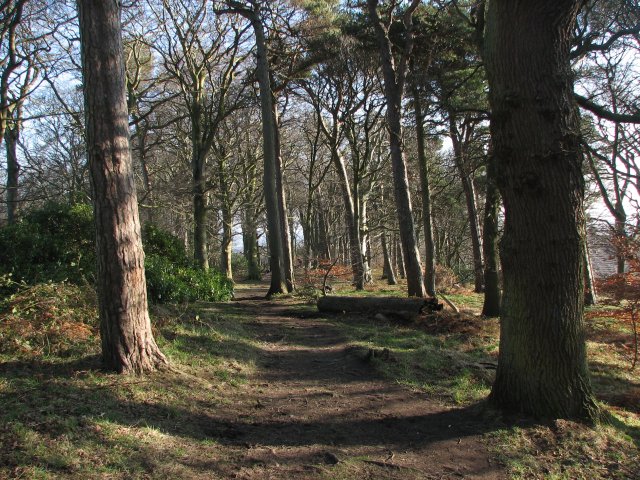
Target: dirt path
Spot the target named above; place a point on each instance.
(315, 409)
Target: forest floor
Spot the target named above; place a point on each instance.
(272, 389)
(316, 408)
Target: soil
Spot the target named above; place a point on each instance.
(316, 409)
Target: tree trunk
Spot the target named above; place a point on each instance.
(324, 250)
(200, 254)
(590, 296)
(542, 366)
(470, 199)
(199, 198)
(370, 304)
(287, 254)
(350, 209)
(399, 257)
(492, 294)
(425, 190)
(125, 329)
(226, 242)
(250, 243)
(393, 91)
(276, 251)
(226, 206)
(387, 269)
(11, 137)
(620, 228)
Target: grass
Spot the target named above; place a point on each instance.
(449, 367)
(447, 364)
(63, 417)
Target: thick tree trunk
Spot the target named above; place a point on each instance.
(11, 137)
(274, 224)
(370, 304)
(127, 341)
(492, 293)
(412, 265)
(425, 190)
(542, 367)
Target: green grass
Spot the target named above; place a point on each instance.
(64, 417)
(444, 366)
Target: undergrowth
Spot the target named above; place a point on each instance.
(63, 417)
(49, 319)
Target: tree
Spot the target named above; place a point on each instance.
(128, 345)
(542, 367)
(252, 11)
(204, 67)
(22, 43)
(394, 73)
(344, 93)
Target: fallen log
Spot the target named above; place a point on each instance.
(331, 304)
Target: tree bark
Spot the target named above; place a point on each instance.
(250, 244)
(591, 295)
(200, 254)
(287, 253)
(11, 137)
(387, 269)
(369, 304)
(128, 345)
(620, 229)
(492, 293)
(399, 257)
(226, 207)
(226, 242)
(274, 224)
(542, 366)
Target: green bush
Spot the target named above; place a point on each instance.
(168, 282)
(160, 243)
(57, 244)
(54, 243)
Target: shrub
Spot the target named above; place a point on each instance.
(160, 243)
(57, 244)
(168, 282)
(446, 279)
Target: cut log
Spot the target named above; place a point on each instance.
(377, 304)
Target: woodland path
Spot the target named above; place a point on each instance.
(315, 409)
